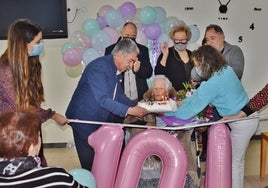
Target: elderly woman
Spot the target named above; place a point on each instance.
(20, 143)
(161, 88)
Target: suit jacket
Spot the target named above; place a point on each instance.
(145, 71)
(99, 94)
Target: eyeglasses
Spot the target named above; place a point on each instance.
(180, 40)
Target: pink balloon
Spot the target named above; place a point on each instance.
(72, 56)
(104, 9)
(219, 157)
(114, 34)
(107, 143)
(147, 143)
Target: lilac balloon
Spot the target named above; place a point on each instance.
(113, 18)
(141, 37)
(101, 21)
(89, 55)
(195, 33)
(153, 31)
(100, 40)
(128, 10)
(113, 33)
(103, 10)
(72, 56)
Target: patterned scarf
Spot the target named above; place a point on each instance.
(259, 100)
(18, 165)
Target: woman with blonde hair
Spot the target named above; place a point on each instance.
(175, 62)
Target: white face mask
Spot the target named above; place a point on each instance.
(180, 46)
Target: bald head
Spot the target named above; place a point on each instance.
(129, 30)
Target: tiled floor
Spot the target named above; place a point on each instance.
(67, 158)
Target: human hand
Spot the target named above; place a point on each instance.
(164, 48)
(60, 119)
(241, 114)
(179, 102)
(194, 84)
(137, 111)
(151, 123)
(136, 66)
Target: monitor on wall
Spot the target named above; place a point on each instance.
(51, 15)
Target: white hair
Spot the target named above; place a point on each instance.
(163, 78)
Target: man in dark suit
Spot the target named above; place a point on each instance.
(134, 80)
(99, 96)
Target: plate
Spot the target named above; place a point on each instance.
(169, 106)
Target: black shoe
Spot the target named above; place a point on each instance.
(203, 156)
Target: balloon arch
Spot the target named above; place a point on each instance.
(88, 44)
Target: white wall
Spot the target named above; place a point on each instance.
(240, 15)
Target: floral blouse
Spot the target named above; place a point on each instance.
(7, 94)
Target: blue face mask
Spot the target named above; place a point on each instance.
(37, 49)
(198, 71)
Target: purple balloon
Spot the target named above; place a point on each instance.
(101, 21)
(128, 10)
(153, 31)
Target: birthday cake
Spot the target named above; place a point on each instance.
(159, 106)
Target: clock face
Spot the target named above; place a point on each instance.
(223, 7)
